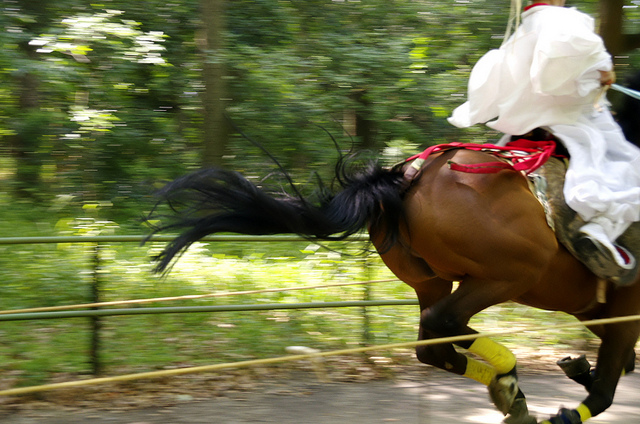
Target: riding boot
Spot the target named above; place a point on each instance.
(621, 256)
(623, 266)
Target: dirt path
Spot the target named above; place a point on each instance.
(440, 399)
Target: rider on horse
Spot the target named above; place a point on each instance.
(552, 73)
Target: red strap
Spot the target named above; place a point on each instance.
(534, 5)
(522, 155)
(480, 168)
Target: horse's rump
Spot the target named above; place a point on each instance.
(546, 175)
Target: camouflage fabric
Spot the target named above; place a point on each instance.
(548, 183)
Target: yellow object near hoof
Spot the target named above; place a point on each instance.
(494, 353)
(584, 412)
(479, 371)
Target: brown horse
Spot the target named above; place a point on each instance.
(486, 231)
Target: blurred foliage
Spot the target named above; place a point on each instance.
(101, 102)
(35, 352)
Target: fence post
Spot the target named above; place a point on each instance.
(96, 323)
(366, 324)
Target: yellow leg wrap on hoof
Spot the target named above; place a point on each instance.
(479, 371)
(494, 353)
(584, 412)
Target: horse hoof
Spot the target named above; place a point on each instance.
(565, 416)
(519, 413)
(503, 392)
(573, 367)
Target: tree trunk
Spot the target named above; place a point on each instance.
(611, 25)
(365, 129)
(26, 140)
(215, 131)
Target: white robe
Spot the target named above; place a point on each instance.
(547, 75)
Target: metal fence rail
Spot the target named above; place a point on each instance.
(159, 238)
(96, 313)
(192, 309)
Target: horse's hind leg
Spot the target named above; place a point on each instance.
(497, 371)
(612, 359)
(444, 313)
(431, 291)
(614, 355)
(450, 316)
(579, 370)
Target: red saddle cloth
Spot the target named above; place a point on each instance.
(520, 155)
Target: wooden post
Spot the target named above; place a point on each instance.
(367, 337)
(96, 323)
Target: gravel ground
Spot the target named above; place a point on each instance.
(432, 398)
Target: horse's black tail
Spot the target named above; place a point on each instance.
(216, 200)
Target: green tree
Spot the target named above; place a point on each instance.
(612, 27)
(98, 103)
(215, 131)
(26, 128)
